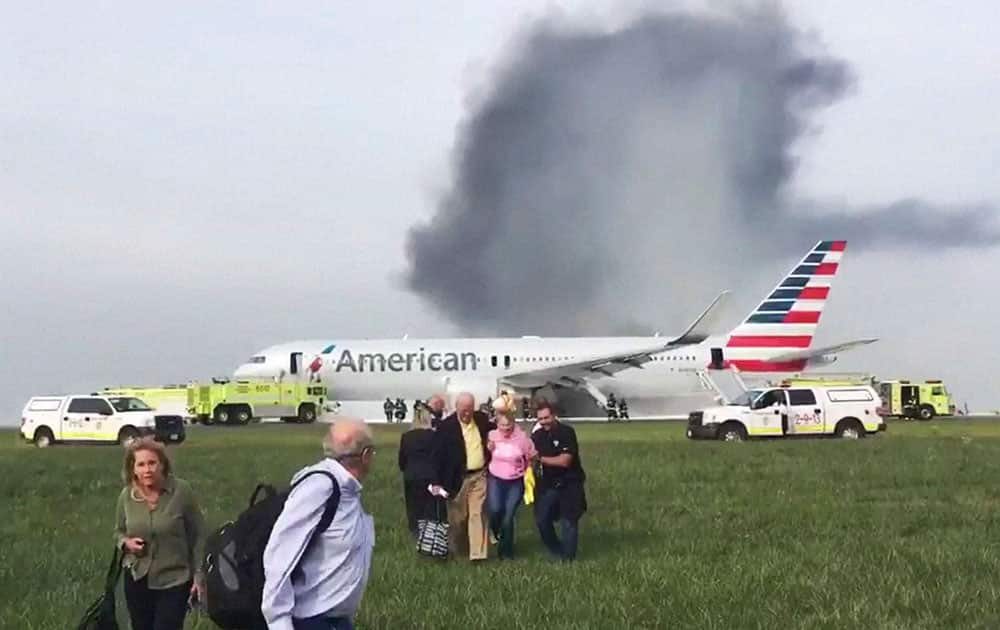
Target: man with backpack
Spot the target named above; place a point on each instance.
(314, 580)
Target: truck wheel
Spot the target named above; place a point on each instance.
(732, 432)
(43, 438)
(221, 414)
(307, 414)
(850, 429)
(926, 412)
(127, 436)
(243, 414)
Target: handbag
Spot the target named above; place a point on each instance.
(432, 534)
(101, 614)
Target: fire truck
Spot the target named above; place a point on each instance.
(234, 402)
(920, 401)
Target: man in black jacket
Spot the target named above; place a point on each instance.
(559, 494)
(464, 455)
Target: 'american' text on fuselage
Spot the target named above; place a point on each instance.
(407, 361)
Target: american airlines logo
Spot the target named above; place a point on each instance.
(422, 361)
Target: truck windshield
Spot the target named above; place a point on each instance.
(123, 404)
(747, 397)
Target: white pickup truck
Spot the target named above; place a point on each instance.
(95, 418)
(850, 411)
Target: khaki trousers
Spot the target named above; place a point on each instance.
(466, 513)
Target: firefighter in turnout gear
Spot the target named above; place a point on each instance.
(387, 408)
(400, 410)
(623, 409)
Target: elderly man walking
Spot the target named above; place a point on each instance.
(463, 439)
(330, 567)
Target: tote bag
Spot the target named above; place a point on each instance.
(432, 534)
(101, 614)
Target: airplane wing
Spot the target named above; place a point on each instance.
(815, 353)
(575, 373)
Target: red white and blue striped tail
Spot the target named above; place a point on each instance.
(787, 319)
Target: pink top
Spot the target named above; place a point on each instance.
(510, 454)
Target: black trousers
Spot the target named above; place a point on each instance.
(155, 609)
(419, 502)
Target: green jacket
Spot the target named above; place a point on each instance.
(174, 533)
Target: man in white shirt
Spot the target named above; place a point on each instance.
(320, 589)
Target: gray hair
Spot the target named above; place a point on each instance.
(468, 395)
(421, 417)
(347, 438)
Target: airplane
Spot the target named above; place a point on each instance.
(775, 338)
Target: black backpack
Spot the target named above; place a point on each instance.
(234, 556)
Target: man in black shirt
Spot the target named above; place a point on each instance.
(559, 494)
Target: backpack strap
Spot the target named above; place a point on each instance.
(332, 503)
(267, 488)
(329, 510)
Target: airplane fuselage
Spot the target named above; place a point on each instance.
(416, 368)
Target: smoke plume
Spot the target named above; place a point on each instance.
(646, 167)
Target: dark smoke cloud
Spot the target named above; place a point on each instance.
(644, 167)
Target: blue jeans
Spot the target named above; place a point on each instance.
(546, 514)
(323, 623)
(503, 496)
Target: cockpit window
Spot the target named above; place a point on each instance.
(257, 359)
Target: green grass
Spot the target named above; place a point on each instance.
(898, 531)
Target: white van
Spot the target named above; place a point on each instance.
(850, 411)
(95, 418)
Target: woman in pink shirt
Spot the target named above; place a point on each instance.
(512, 452)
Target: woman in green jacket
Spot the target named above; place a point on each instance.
(160, 527)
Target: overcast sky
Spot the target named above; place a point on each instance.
(184, 184)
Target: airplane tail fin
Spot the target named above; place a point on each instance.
(776, 334)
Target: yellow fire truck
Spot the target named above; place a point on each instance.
(234, 402)
(923, 401)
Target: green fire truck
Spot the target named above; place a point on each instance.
(235, 402)
(923, 401)
(239, 401)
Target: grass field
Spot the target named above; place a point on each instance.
(897, 531)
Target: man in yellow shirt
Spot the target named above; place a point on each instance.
(464, 459)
